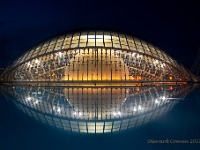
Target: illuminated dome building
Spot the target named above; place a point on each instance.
(95, 82)
(95, 58)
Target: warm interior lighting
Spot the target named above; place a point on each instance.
(139, 77)
(89, 57)
(36, 61)
(97, 37)
(170, 78)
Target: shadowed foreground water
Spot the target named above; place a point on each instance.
(180, 122)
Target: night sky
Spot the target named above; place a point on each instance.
(173, 26)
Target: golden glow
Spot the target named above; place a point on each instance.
(96, 56)
(170, 77)
(95, 36)
(139, 78)
(97, 66)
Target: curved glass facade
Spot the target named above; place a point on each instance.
(95, 82)
(98, 56)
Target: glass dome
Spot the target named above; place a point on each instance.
(95, 58)
(95, 82)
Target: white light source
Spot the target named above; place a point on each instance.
(36, 61)
(134, 109)
(117, 113)
(92, 36)
(97, 36)
(58, 110)
(156, 101)
(163, 98)
(139, 107)
(80, 114)
(107, 37)
(60, 54)
(28, 98)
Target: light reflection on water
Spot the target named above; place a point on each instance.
(96, 110)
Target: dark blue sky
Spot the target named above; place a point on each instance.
(173, 26)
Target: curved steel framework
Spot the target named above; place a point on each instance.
(95, 82)
(95, 56)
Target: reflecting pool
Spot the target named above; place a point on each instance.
(96, 110)
(140, 117)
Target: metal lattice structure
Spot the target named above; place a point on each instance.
(95, 82)
(95, 56)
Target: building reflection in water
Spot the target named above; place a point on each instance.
(95, 110)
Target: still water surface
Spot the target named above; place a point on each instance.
(166, 117)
